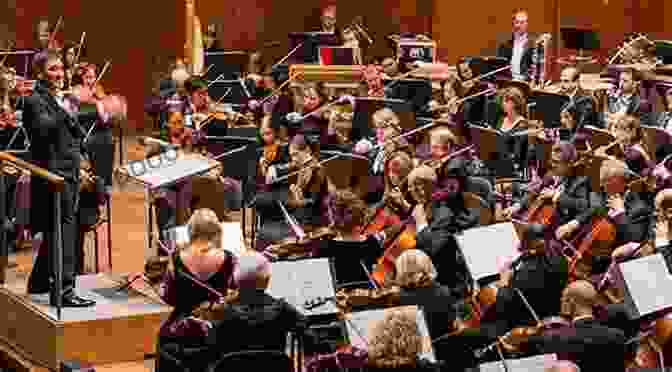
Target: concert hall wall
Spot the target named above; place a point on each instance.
(141, 37)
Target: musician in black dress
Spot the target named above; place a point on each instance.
(53, 124)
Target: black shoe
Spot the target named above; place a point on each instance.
(70, 299)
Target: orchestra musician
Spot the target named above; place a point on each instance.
(388, 127)
(328, 19)
(626, 98)
(615, 217)
(340, 128)
(629, 135)
(53, 124)
(663, 204)
(476, 110)
(519, 49)
(587, 337)
(303, 198)
(313, 127)
(562, 189)
(390, 68)
(69, 55)
(438, 215)
(204, 257)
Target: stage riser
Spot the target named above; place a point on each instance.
(117, 330)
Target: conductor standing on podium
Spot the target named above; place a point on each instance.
(53, 126)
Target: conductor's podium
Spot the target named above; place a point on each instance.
(122, 327)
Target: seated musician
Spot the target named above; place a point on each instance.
(174, 98)
(570, 117)
(626, 212)
(258, 320)
(388, 127)
(273, 152)
(393, 344)
(313, 127)
(203, 260)
(629, 134)
(626, 99)
(562, 188)
(450, 93)
(588, 343)
(476, 110)
(340, 129)
(438, 216)
(304, 197)
(540, 278)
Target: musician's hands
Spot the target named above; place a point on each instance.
(548, 194)
(363, 146)
(505, 278)
(508, 213)
(397, 198)
(253, 104)
(419, 215)
(566, 229)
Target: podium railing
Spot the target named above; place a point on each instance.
(57, 184)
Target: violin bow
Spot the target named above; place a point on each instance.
(391, 140)
(102, 72)
(291, 221)
(289, 54)
(52, 35)
(79, 47)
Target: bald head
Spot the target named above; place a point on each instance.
(563, 366)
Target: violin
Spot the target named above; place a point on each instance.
(347, 299)
(297, 247)
(654, 347)
(513, 340)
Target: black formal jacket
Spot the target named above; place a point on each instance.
(438, 241)
(257, 322)
(541, 279)
(506, 51)
(437, 303)
(573, 201)
(592, 346)
(55, 135)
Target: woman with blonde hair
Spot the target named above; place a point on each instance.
(201, 263)
(394, 342)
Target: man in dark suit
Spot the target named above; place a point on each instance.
(53, 126)
(626, 99)
(590, 344)
(519, 48)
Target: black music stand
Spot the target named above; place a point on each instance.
(365, 107)
(22, 60)
(547, 107)
(233, 92)
(580, 40)
(227, 65)
(308, 52)
(416, 91)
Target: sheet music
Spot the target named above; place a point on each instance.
(360, 324)
(482, 247)
(537, 363)
(167, 174)
(301, 281)
(648, 285)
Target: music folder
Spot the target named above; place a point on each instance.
(648, 286)
(482, 256)
(304, 281)
(360, 324)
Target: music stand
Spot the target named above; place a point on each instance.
(547, 107)
(163, 170)
(229, 63)
(22, 61)
(481, 65)
(580, 40)
(416, 91)
(234, 92)
(308, 52)
(365, 107)
(481, 256)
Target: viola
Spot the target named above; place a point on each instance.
(293, 246)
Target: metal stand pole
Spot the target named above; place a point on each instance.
(108, 201)
(4, 247)
(58, 254)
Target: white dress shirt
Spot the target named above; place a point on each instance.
(519, 43)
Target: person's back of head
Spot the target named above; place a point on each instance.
(253, 272)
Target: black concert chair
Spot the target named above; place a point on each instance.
(259, 360)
